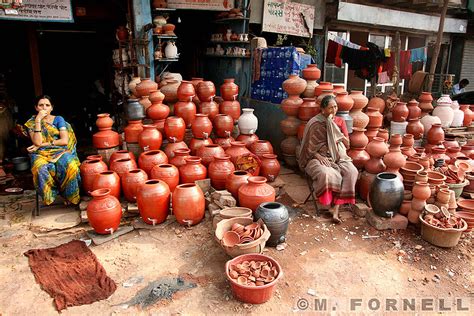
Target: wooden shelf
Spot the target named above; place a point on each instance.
(165, 36)
(230, 20)
(226, 56)
(230, 42)
(166, 60)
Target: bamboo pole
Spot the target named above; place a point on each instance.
(396, 72)
(434, 59)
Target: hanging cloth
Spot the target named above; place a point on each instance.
(346, 43)
(405, 65)
(383, 78)
(333, 53)
(418, 54)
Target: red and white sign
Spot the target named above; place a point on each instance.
(286, 17)
(214, 5)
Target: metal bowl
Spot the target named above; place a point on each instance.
(21, 163)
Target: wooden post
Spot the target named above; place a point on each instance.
(35, 64)
(434, 59)
(396, 72)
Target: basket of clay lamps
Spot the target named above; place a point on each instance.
(253, 277)
(241, 235)
(231, 212)
(442, 232)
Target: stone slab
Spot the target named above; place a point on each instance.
(100, 239)
(383, 223)
(56, 217)
(140, 224)
(360, 209)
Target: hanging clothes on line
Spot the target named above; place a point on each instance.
(418, 54)
(333, 54)
(366, 63)
(405, 65)
(346, 43)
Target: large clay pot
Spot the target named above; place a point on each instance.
(229, 90)
(360, 100)
(123, 165)
(224, 142)
(134, 111)
(359, 118)
(386, 194)
(153, 200)
(358, 139)
(208, 152)
(394, 160)
(132, 131)
(158, 111)
(276, 218)
(237, 149)
(170, 90)
(219, 169)
(89, 169)
(160, 126)
(235, 180)
(415, 128)
(425, 97)
(261, 147)
(149, 159)
(311, 72)
(428, 121)
(421, 190)
(175, 127)
(248, 122)
(131, 181)
(270, 167)
(144, 87)
(196, 81)
(322, 86)
(414, 111)
(375, 117)
(107, 180)
(156, 96)
(119, 154)
(104, 212)
(468, 116)
(310, 86)
(188, 204)
(454, 153)
(248, 140)
(308, 109)
(179, 157)
(288, 145)
(444, 111)
(344, 101)
(167, 173)
(210, 108)
(289, 126)
(223, 125)
(193, 170)
(294, 85)
(132, 85)
(105, 139)
(363, 184)
(256, 192)
(202, 126)
(359, 157)
(231, 108)
(377, 103)
(458, 117)
(186, 110)
(377, 147)
(291, 105)
(435, 135)
(197, 143)
(400, 112)
(206, 91)
(186, 91)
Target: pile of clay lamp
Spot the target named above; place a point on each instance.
(441, 218)
(253, 273)
(455, 173)
(240, 234)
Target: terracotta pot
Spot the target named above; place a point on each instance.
(229, 90)
(104, 212)
(291, 105)
(322, 86)
(170, 90)
(186, 110)
(435, 135)
(149, 159)
(210, 108)
(364, 183)
(375, 165)
(202, 126)
(372, 132)
(377, 147)
(408, 151)
(377, 103)
(219, 169)
(160, 126)
(421, 176)
(394, 160)
(224, 142)
(359, 157)
(301, 130)
(186, 91)
(414, 112)
(468, 115)
(89, 169)
(428, 122)
(120, 154)
(359, 118)
(270, 168)
(375, 118)
(360, 100)
(231, 108)
(358, 139)
(322, 95)
(444, 111)
(94, 157)
(171, 147)
(208, 152)
(405, 207)
(132, 85)
(145, 102)
(453, 153)
(132, 130)
(467, 150)
(400, 112)
(408, 140)
(123, 165)
(104, 121)
(166, 173)
(196, 81)
(235, 180)
(193, 170)
(309, 90)
(237, 150)
(261, 147)
(131, 181)
(158, 111)
(156, 96)
(150, 138)
(248, 122)
(179, 157)
(421, 191)
(311, 72)
(248, 140)
(105, 139)
(197, 143)
(338, 88)
(425, 97)
(288, 145)
(175, 127)
(188, 204)
(415, 128)
(308, 109)
(206, 91)
(344, 101)
(223, 125)
(289, 126)
(383, 133)
(144, 87)
(153, 200)
(107, 180)
(255, 192)
(294, 85)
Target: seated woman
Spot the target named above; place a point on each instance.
(323, 156)
(55, 165)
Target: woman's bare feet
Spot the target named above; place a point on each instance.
(334, 210)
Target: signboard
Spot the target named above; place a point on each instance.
(214, 5)
(41, 10)
(286, 17)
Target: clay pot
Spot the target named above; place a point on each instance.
(294, 85)
(377, 147)
(468, 115)
(375, 165)
(301, 130)
(428, 122)
(311, 72)
(123, 165)
(377, 103)
(175, 128)
(89, 169)
(405, 207)
(289, 126)
(170, 90)
(150, 138)
(359, 157)
(386, 194)
(291, 105)
(408, 151)
(104, 121)
(132, 85)
(308, 109)
(364, 183)
(372, 132)
(453, 153)
(224, 142)
(179, 157)
(196, 81)
(322, 95)
(467, 150)
(408, 140)
(104, 212)
(219, 169)
(206, 91)
(382, 133)
(145, 102)
(400, 112)
(421, 176)
(208, 152)
(186, 91)
(193, 170)
(186, 110)
(435, 135)
(158, 111)
(145, 86)
(360, 100)
(210, 108)
(415, 128)
(444, 111)
(344, 101)
(105, 139)
(248, 140)
(359, 118)
(425, 97)
(235, 180)
(255, 192)
(202, 126)
(414, 112)
(421, 191)
(231, 108)
(107, 180)
(188, 204)
(309, 90)
(131, 181)
(229, 90)
(149, 159)
(237, 149)
(132, 131)
(261, 147)
(288, 145)
(171, 147)
(160, 126)
(338, 88)
(166, 173)
(375, 118)
(223, 125)
(248, 122)
(120, 154)
(153, 200)
(322, 86)
(270, 167)
(156, 97)
(358, 139)
(394, 160)
(94, 157)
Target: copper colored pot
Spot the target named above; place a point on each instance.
(256, 192)
(121, 166)
(231, 108)
(229, 90)
(235, 180)
(167, 173)
(197, 143)
(202, 126)
(179, 157)
(186, 91)
(107, 180)
(270, 167)
(210, 108)
(223, 125)
(104, 212)
(175, 128)
(219, 170)
(206, 91)
(131, 181)
(193, 170)
(188, 204)
(89, 169)
(150, 138)
(149, 159)
(153, 200)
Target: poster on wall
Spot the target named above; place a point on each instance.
(286, 17)
(214, 5)
(41, 10)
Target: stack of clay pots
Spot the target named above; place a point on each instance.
(294, 86)
(444, 111)
(230, 105)
(414, 126)
(344, 105)
(394, 159)
(358, 142)
(425, 105)
(375, 123)
(435, 137)
(468, 115)
(311, 74)
(421, 192)
(105, 138)
(360, 119)
(398, 124)
(248, 124)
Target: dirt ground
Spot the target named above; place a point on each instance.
(321, 261)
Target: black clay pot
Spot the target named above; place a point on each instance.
(275, 216)
(134, 110)
(386, 194)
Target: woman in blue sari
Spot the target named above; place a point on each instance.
(54, 161)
